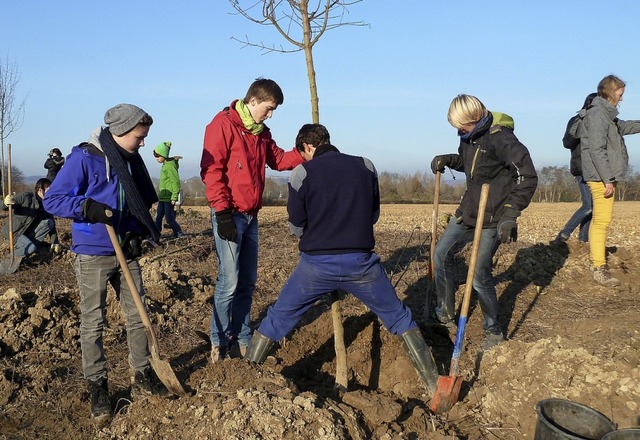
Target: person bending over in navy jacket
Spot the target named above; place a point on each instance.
(105, 174)
(334, 201)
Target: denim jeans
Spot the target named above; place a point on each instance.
(93, 272)
(237, 274)
(166, 210)
(582, 217)
(29, 242)
(360, 274)
(454, 238)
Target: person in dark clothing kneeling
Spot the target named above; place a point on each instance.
(489, 152)
(334, 201)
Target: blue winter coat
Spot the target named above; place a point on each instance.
(86, 174)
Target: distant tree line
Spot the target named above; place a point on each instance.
(555, 184)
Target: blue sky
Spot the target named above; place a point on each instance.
(384, 89)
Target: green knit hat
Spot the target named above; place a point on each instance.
(163, 149)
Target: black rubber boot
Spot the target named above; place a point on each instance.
(421, 357)
(100, 404)
(258, 348)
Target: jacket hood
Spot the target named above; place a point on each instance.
(610, 109)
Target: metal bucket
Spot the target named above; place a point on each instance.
(623, 434)
(560, 419)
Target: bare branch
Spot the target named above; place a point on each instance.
(301, 25)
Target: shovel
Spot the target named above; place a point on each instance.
(448, 387)
(432, 251)
(10, 265)
(161, 367)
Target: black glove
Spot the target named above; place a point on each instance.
(96, 212)
(508, 227)
(132, 245)
(439, 162)
(226, 225)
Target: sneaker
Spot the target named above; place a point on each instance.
(100, 404)
(491, 340)
(146, 383)
(602, 276)
(179, 235)
(217, 353)
(559, 239)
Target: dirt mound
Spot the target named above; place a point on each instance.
(569, 338)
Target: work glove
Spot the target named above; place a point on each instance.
(9, 201)
(507, 226)
(226, 225)
(96, 212)
(439, 162)
(132, 245)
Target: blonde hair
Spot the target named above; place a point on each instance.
(608, 85)
(466, 109)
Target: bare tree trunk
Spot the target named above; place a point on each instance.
(308, 55)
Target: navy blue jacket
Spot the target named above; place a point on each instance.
(334, 201)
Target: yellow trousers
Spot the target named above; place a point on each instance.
(602, 213)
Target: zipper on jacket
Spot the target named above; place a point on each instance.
(475, 157)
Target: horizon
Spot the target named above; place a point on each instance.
(384, 88)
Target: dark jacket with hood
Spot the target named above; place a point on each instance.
(571, 141)
(493, 154)
(28, 211)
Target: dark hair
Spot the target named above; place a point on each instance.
(264, 90)
(42, 184)
(588, 100)
(56, 151)
(146, 121)
(312, 134)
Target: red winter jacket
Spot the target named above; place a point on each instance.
(233, 162)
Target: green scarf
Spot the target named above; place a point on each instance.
(248, 121)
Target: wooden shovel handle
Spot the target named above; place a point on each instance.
(484, 196)
(434, 226)
(122, 260)
(10, 206)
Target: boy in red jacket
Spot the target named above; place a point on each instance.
(237, 146)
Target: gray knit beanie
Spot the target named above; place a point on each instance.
(123, 118)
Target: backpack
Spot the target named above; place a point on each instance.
(501, 120)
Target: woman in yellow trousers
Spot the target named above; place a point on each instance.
(605, 162)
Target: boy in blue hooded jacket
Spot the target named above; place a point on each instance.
(108, 174)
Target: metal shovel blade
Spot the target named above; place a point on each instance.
(167, 376)
(446, 395)
(9, 265)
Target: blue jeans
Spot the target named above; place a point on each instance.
(582, 217)
(360, 274)
(28, 243)
(166, 210)
(454, 238)
(237, 274)
(93, 272)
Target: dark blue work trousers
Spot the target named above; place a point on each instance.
(360, 274)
